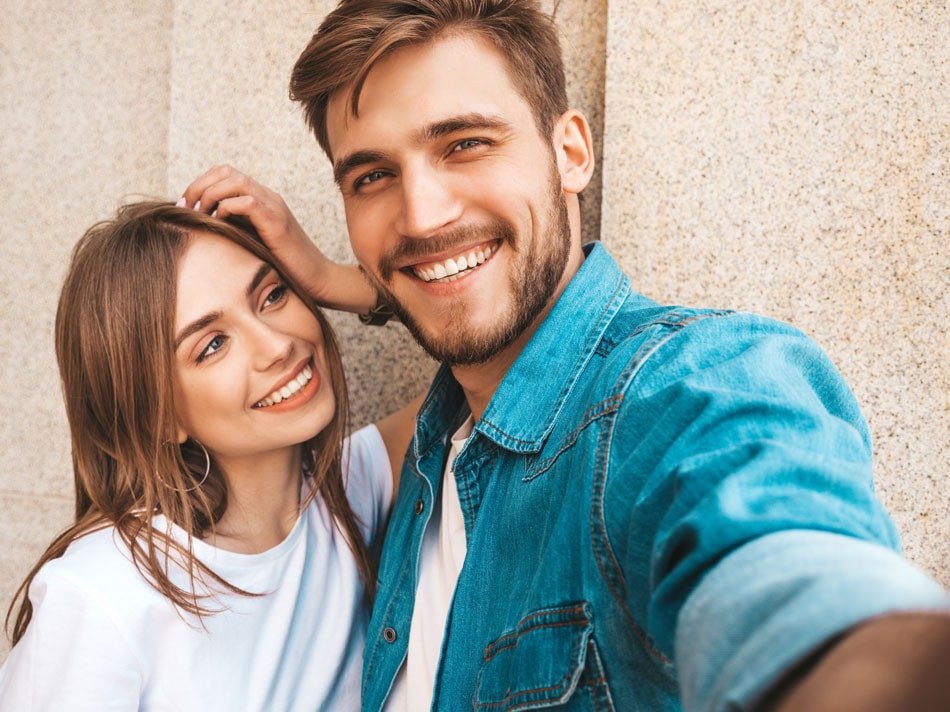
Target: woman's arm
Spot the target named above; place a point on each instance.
(224, 191)
(397, 430)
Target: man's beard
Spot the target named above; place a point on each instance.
(532, 281)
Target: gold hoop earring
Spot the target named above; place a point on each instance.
(207, 467)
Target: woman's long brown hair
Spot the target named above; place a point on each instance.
(114, 346)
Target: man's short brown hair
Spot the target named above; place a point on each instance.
(358, 33)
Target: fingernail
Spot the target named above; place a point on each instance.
(198, 205)
(214, 213)
(181, 202)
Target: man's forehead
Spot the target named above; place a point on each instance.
(422, 84)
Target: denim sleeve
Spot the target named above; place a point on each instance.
(740, 506)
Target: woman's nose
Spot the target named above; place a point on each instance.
(269, 345)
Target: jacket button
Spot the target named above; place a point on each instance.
(420, 505)
(389, 635)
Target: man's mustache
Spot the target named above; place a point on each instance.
(416, 250)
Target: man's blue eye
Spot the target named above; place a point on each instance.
(467, 144)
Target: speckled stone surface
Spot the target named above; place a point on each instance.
(792, 159)
(84, 110)
(789, 159)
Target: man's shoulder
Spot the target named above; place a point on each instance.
(670, 339)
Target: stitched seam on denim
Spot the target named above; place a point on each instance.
(610, 310)
(533, 691)
(599, 687)
(472, 487)
(538, 690)
(593, 413)
(372, 660)
(437, 389)
(514, 639)
(392, 601)
(667, 318)
(519, 626)
(467, 495)
(610, 569)
(614, 578)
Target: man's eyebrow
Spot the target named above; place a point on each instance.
(344, 165)
(473, 121)
(211, 317)
(463, 122)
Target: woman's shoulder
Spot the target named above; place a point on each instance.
(97, 567)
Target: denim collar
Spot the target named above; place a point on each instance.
(522, 412)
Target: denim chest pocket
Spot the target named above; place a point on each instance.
(549, 660)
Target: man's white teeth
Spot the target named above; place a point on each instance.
(454, 265)
(285, 392)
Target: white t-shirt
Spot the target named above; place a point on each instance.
(440, 562)
(102, 638)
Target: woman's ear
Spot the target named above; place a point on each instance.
(182, 435)
(574, 148)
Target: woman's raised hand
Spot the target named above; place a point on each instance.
(223, 191)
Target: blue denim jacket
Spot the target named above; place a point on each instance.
(648, 484)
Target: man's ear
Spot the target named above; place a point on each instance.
(574, 149)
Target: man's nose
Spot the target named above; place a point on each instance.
(429, 202)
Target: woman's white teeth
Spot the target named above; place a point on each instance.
(285, 392)
(454, 265)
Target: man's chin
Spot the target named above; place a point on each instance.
(461, 344)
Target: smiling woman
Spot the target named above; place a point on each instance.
(220, 514)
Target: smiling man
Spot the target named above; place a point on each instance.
(608, 503)
(443, 200)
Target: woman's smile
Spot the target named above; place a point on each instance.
(261, 351)
(296, 389)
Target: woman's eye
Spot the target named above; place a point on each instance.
(212, 348)
(275, 295)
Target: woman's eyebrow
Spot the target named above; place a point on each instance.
(262, 272)
(211, 317)
(196, 326)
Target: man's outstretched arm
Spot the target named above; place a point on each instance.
(894, 663)
(741, 503)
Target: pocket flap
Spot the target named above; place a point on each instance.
(538, 663)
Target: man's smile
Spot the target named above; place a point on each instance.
(455, 267)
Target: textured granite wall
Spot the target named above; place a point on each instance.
(766, 156)
(84, 117)
(792, 158)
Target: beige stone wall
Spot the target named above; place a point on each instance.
(792, 159)
(778, 157)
